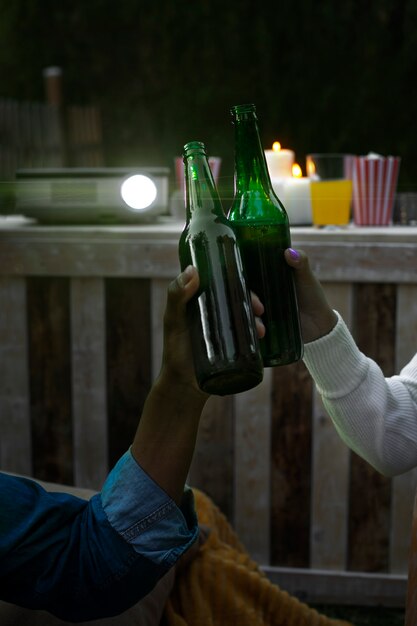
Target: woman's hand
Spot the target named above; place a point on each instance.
(316, 315)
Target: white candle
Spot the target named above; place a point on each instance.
(279, 162)
(294, 194)
(278, 185)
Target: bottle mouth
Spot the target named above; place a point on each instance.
(243, 111)
(194, 146)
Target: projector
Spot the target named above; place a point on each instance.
(105, 195)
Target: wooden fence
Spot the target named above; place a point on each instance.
(36, 134)
(80, 342)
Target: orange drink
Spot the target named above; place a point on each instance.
(331, 201)
(331, 188)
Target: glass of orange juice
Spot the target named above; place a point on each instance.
(331, 188)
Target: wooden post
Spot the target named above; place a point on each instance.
(53, 86)
(55, 98)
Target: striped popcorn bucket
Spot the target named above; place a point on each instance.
(374, 185)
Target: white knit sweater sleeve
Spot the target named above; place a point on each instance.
(374, 415)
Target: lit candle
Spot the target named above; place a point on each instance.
(279, 161)
(294, 193)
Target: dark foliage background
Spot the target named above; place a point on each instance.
(325, 75)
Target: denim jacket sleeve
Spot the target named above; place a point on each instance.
(83, 560)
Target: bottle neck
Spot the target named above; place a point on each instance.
(251, 170)
(201, 196)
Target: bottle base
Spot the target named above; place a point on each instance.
(279, 361)
(229, 383)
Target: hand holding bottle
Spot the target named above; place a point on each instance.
(316, 315)
(177, 360)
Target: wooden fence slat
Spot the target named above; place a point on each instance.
(404, 486)
(369, 517)
(291, 407)
(330, 469)
(34, 135)
(49, 345)
(402, 499)
(253, 468)
(213, 461)
(318, 586)
(89, 381)
(151, 250)
(15, 439)
(84, 135)
(128, 362)
(38, 138)
(406, 338)
(54, 144)
(159, 289)
(10, 131)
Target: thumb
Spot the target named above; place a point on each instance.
(317, 317)
(303, 275)
(299, 261)
(305, 278)
(180, 291)
(188, 281)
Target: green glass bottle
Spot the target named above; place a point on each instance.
(224, 340)
(262, 230)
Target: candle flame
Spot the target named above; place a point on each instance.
(276, 146)
(311, 168)
(296, 171)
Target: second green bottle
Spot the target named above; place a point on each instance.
(262, 230)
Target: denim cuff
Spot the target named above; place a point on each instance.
(145, 516)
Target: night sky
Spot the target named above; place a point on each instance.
(325, 76)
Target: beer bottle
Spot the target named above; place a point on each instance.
(224, 340)
(262, 230)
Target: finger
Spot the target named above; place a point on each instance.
(294, 257)
(257, 306)
(186, 283)
(180, 291)
(260, 328)
(299, 261)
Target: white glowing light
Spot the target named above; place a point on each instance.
(138, 191)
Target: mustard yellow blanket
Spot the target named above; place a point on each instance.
(222, 586)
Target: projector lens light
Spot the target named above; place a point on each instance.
(138, 191)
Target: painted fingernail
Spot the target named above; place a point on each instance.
(294, 254)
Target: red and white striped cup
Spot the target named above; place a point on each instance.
(374, 185)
